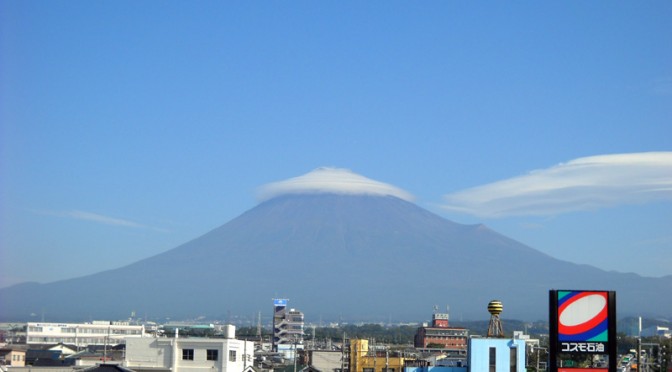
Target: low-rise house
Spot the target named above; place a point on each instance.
(42, 358)
(13, 355)
(65, 350)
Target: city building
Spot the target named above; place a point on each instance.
(484, 355)
(363, 358)
(452, 341)
(325, 360)
(13, 356)
(12, 333)
(82, 334)
(287, 329)
(496, 355)
(189, 354)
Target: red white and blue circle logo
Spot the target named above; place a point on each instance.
(583, 316)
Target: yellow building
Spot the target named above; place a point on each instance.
(364, 360)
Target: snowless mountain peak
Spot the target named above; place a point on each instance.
(328, 180)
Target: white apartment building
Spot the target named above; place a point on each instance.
(82, 334)
(190, 354)
(287, 329)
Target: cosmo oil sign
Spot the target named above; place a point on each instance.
(582, 322)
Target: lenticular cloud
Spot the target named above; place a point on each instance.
(333, 181)
(581, 184)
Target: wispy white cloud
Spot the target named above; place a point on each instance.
(581, 184)
(98, 218)
(106, 220)
(330, 180)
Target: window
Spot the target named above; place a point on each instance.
(232, 355)
(493, 359)
(187, 354)
(514, 359)
(368, 369)
(212, 354)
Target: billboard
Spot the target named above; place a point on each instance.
(280, 302)
(581, 323)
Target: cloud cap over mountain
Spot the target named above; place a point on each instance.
(581, 184)
(328, 180)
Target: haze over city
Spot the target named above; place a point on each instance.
(127, 129)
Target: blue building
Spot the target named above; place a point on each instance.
(485, 355)
(496, 355)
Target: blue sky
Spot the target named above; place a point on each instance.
(128, 128)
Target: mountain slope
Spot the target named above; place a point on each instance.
(351, 256)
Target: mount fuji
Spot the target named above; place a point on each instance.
(339, 246)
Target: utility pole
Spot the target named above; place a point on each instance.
(261, 340)
(639, 346)
(105, 348)
(387, 360)
(343, 353)
(295, 341)
(374, 355)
